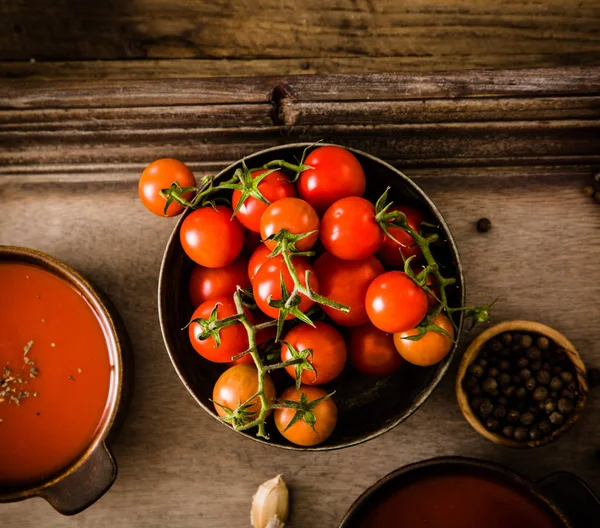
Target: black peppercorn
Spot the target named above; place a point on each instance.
(516, 379)
(506, 338)
(526, 341)
(572, 386)
(545, 426)
(493, 372)
(522, 362)
(543, 377)
(527, 418)
(555, 384)
(566, 376)
(471, 385)
(489, 385)
(542, 342)
(546, 366)
(540, 394)
(549, 406)
(476, 402)
(535, 365)
(524, 374)
(482, 362)
(533, 354)
(554, 395)
(520, 434)
(516, 348)
(508, 430)
(509, 391)
(513, 416)
(521, 393)
(504, 353)
(484, 225)
(492, 424)
(504, 365)
(486, 408)
(500, 411)
(530, 384)
(556, 418)
(504, 379)
(502, 400)
(565, 406)
(535, 434)
(476, 370)
(495, 345)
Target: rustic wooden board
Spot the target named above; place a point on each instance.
(270, 37)
(179, 468)
(548, 118)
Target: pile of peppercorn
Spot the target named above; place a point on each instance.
(522, 386)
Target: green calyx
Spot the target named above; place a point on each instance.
(304, 409)
(302, 362)
(212, 326)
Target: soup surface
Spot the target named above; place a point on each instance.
(460, 500)
(55, 374)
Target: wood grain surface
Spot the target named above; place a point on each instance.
(179, 468)
(543, 118)
(183, 38)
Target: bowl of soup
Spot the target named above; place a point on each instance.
(62, 374)
(455, 492)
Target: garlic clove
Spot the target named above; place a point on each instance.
(270, 504)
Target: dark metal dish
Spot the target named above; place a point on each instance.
(361, 414)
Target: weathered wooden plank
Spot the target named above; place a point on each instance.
(112, 29)
(342, 87)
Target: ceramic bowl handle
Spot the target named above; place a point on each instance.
(85, 485)
(572, 497)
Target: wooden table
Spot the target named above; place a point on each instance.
(515, 147)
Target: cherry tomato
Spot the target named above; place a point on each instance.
(431, 348)
(234, 338)
(293, 214)
(301, 433)
(160, 174)
(390, 250)
(395, 303)
(346, 281)
(257, 259)
(273, 187)
(210, 283)
(349, 229)
(336, 174)
(237, 385)
(267, 284)
(328, 352)
(211, 237)
(372, 351)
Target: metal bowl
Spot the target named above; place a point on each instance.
(77, 487)
(368, 407)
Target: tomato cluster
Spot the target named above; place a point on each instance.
(360, 264)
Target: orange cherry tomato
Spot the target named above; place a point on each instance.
(209, 283)
(301, 433)
(160, 174)
(372, 351)
(259, 256)
(293, 214)
(431, 348)
(328, 352)
(237, 385)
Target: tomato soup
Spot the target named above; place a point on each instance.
(55, 374)
(460, 499)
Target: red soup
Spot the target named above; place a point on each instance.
(55, 374)
(460, 499)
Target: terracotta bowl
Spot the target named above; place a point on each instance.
(367, 406)
(471, 355)
(85, 481)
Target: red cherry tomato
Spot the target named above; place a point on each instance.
(210, 283)
(431, 348)
(273, 187)
(349, 229)
(293, 214)
(234, 338)
(372, 351)
(395, 303)
(211, 237)
(336, 174)
(267, 284)
(257, 259)
(328, 352)
(346, 281)
(390, 250)
(160, 174)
